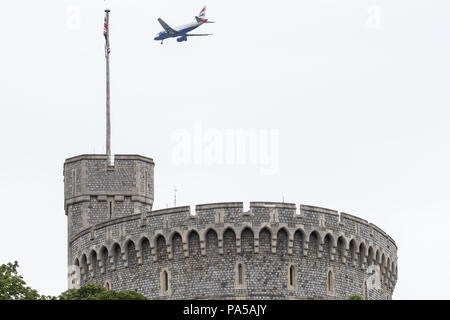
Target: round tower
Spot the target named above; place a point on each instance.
(219, 251)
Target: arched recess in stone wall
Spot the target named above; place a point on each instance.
(229, 242)
(117, 254)
(194, 243)
(299, 239)
(282, 242)
(383, 265)
(370, 256)
(95, 271)
(104, 258)
(146, 253)
(161, 248)
(330, 284)
(394, 271)
(265, 240)
(351, 252)
(247, 240)
(212, 243)
(340, 249)
(84, 267)
(177, 246)
(362, 254)
(388, 267)
(131, 254)
(327, 246)
(314, 241)
(377, 257)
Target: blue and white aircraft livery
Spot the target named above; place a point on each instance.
(181, 32)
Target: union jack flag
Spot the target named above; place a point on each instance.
(106, 35)
(105, 28)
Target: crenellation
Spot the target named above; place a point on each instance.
(221, 205)
(307, 208)
(355, 219)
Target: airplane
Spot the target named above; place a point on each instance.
(181, 32)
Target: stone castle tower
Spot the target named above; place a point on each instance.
(220, 251)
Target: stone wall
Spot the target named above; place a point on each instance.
(201, 251)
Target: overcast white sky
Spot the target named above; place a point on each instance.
(358, 91)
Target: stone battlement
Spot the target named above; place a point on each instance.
(306, 212)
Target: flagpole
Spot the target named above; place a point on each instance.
(108, 98)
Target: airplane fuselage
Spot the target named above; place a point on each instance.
(179, 31)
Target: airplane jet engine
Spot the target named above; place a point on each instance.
(180, 39)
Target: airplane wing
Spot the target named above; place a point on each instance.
(166, 27)
(197, 34)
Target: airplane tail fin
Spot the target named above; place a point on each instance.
(201, 16)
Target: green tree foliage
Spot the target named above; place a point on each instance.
(355, 297)
(97, 292)
(12, 285)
